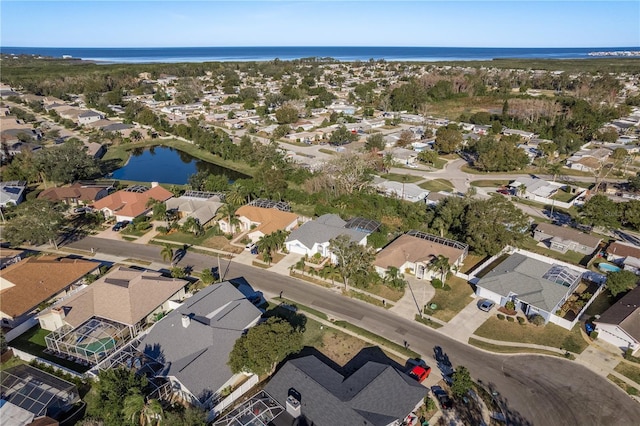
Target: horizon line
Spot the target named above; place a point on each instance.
(331, 46)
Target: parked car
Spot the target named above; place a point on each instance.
(420, 373)
(443, 397)
(503, 191)
(486, 305)
(82, 210)
(120, 225)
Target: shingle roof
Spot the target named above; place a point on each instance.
(124, 295)
(197, 355)
(625, 313)
(198, 208)
(407, 248)
(568, 234)
(131, 204)
(323, 229)
(270, 219)
(523, 276)
(376, 394)
(76, 191)
(26, 284)
(623, 249)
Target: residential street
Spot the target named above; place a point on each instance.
(535, 389)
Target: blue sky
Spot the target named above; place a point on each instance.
(449, 23)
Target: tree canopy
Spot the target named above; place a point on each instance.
(263, 346)
(621, 282)
(352, 258)
(36, 221)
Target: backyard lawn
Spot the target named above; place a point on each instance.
(547, 335)
(450, 301)
(32, 342)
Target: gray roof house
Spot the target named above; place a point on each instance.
(405, 191)
(199, 205)
(193, 342)
(12, 193)
(561, 238)
(313, 236)
(620, 324)
(376, 394)
(535, 286)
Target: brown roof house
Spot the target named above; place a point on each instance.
(620, 324)
(108, 313)
(560, 238)
(416, 251)
(130, 203)
(619, 250)
(36, 280)
(78, 193)
(259, 221)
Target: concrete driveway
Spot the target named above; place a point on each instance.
(463, 325)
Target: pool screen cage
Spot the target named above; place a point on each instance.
(36, 391)
(91, 342)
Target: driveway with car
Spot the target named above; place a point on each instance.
(463, 325)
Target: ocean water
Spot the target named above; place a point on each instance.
(341, 53)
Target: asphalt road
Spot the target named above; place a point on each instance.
(535, 389)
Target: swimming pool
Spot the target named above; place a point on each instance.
(605, 267)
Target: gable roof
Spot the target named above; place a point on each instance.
(11, 192)
(625, 314)
(568, 234)
(375, 394)
(623, 249)
(26, 284)
(407, 248)
(131, 204)
(525, 277)
(197, 355)
(124, 295)
(323, 229)
(270, 219)
(202, 209)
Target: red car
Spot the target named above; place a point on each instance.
(420, 373)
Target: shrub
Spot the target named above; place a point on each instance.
(521, 320)
(162, 230)
(510, 319)
(537, 320)
(501, 317)
(436, 283)
(628, 353)
(594, 335)
(429, 403)
(510, 305)
(632, 391)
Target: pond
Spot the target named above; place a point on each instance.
(167, 165)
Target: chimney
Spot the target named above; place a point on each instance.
(60, 311)
(293, 406)
(186, 321)
(154, 184)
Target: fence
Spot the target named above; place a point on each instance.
(234, 396)
(28, 357)
(21, 329)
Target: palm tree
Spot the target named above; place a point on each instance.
(522, 189)
(229, 211)
(147, 413)
(135, 135)
(440, 264)
(237, 195)
(300, 264)
(192, 225)
(555, 169)
(167, 253)
(267, 257)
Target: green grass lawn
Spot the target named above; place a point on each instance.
(436, 185)
(603, 302)
(385, 292)
(570, 256)
(33, 342)
(327, 151)
(397, 177)
(490, 183)
(188, 237)
(630, 371)
(452, 301)
(547, 335)
(563, 196)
